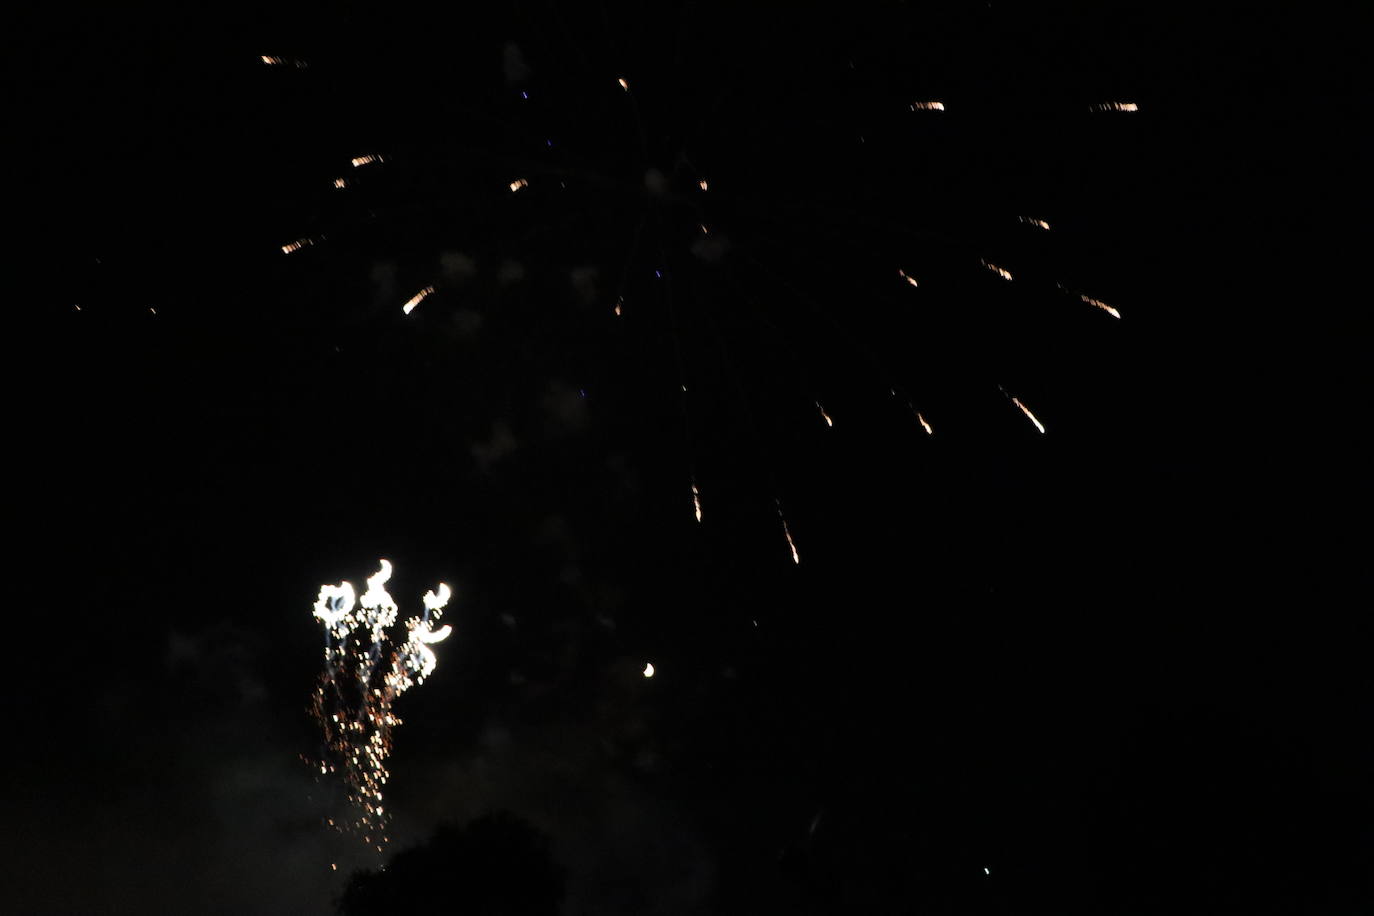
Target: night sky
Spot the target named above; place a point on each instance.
(1117, 667)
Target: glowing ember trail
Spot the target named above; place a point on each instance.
(1000, 271)
(696, 499)
(623, 85)
(517, 184)
(1100, 304)
(787, 533)
(907, 277)
(297, 245)
(702, 184)
(1115, 106)
(416, 299)
(360, 161)
(924, 425)
(363, 676)
(1030, 416)
(1037, 223)
(927, 106)
(825, 416)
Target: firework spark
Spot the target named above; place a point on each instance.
(907, 277)
(1000, 271)
(297, 245)
(1032, 221)
(363, 677)
(927, 106)
(517, 184)
(1029, 416)
(416, 299)
(1114, 106)
(369, 159)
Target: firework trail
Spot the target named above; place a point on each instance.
(363, 676)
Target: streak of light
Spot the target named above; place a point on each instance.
(1000, 271)
(1114, 106)
(517, 184)
(907, 277)
(702, 184)
(787, 533)
(297, 245)
(340, 182)
(696, 500)
(927, 106)
(1030, 416)
(924, 425)
(360, 161)
(1100, 304)
(1032, 221)
(284, 62)
(416, 299)
(623, 85)
(824, 415)
(618, 304)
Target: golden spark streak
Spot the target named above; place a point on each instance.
(1030, 416)
(340, 182)
(907, 277)
(517, 184)
(702, 184)
(1038, 223)
(696, 500)
(924, 424)
(826, 416)
(791, 546)
(1115, 106)
(1000, 271)
(927, 106)
(1100, 304)
(360, 161)
(618, 304)
(297, 245)
(623, 85)
(416, 300)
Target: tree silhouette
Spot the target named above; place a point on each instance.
(497, 865)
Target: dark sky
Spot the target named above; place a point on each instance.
(1121, 666)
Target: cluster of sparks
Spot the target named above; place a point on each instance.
(520, 184)
(364, 675)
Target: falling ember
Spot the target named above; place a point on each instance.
(284, 62)
(907, 277)
(618, 304)
(297, 245)
(1000, 271)
(416, 300)
(824, 415)
(787, 533)
(648, 669)
(927, 106)
(1030, 416)
(1115, 106)
(360, 161)
(340, 182)
(1038, 223)
(702, 184)
(517, 184)
(924, 425)
(623, 85)
(704, 230)
(696, 500)
(1100, 304)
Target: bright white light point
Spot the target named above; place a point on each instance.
(1030, 416)
(623, 85)
(517, 184)
(416, 299)
(434, 602)
(985, 871)
(648, 669)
